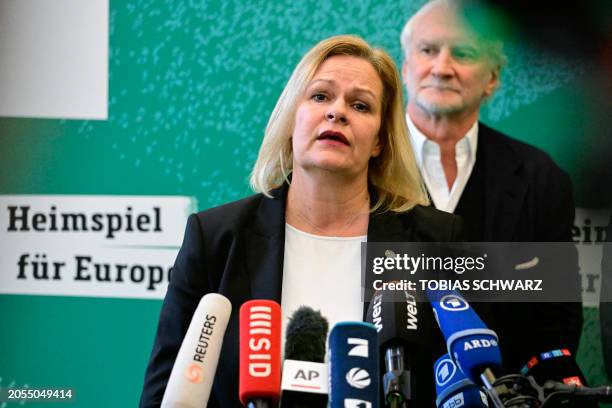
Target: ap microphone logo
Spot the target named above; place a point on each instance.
(453, 303)
(194, 374)
(358, 378)
(445, 371)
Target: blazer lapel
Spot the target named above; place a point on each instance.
(382, 227)
(504, 189)
(386, 227)
(265, 247)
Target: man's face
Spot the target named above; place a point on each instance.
(446, 72)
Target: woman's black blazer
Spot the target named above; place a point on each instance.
(237, 250)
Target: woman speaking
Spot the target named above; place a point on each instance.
(335, 169)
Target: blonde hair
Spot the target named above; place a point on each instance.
(393, 175)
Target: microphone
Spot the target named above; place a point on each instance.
(454, 389)
(353, 366)
(304, 382)
(602, 393)
(397, 326)
(194, 369)
(559, 373)
(473, 347)
(260, 342)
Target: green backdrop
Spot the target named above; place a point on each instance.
(191, 87)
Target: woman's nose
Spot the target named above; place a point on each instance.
(336, 115)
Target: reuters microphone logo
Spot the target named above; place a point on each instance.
(194, 374)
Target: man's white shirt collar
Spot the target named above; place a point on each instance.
(427, 154)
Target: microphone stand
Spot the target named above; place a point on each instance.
(396, 381)
(488, 378)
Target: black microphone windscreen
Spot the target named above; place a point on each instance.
(306, 335)
(395, 317)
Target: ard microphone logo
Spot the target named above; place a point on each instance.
(260, 341)
(482, 343)
(445, 371)
(358, 378)
(453, 303)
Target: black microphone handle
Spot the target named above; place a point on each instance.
(295, 399)
(602, 393)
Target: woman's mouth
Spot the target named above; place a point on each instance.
(333, 136)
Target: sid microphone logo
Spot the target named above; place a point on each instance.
(260, 341)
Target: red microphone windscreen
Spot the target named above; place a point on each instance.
(260, 350)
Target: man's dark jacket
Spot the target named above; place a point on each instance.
(516, 193)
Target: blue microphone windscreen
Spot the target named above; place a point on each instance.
(453, 312)
(454, 389)
(354, 378)
(471, 344)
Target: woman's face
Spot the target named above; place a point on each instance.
(338, 118)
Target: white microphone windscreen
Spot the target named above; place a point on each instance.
(196, 362)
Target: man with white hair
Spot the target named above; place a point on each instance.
(504, 189)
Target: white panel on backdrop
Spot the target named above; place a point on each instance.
(103, 246)
(589, 234)
(54, 58)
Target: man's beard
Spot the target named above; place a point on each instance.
(439, 109)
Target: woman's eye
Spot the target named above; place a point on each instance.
(361, 107)
(319, 97)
